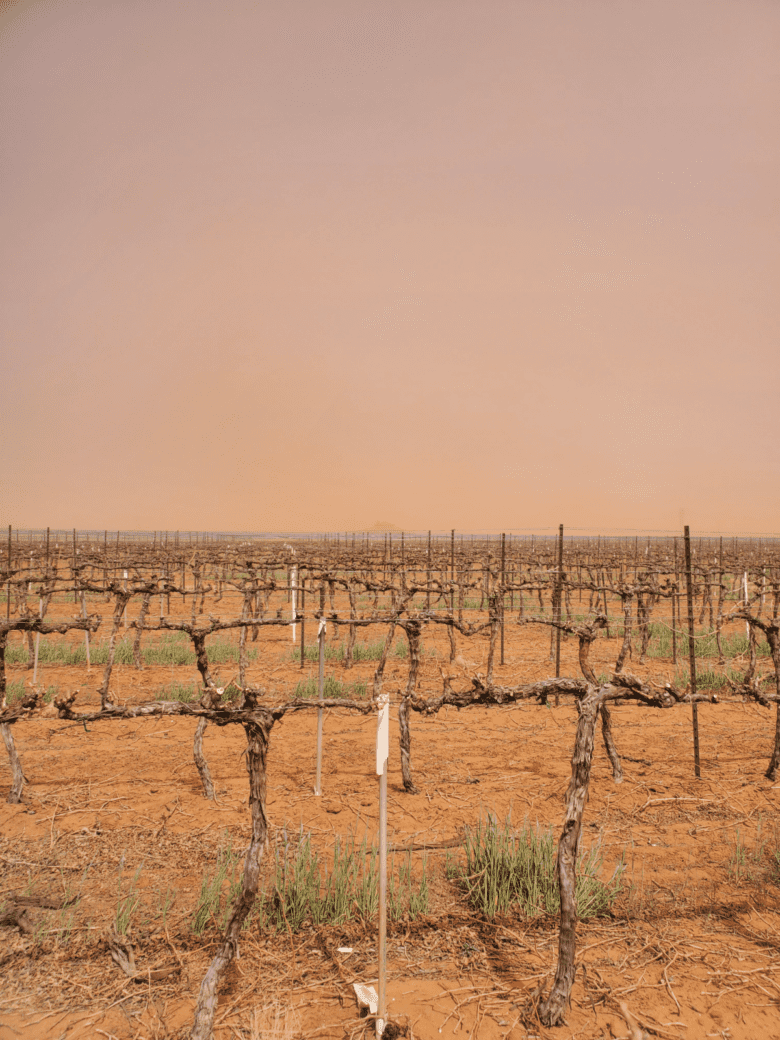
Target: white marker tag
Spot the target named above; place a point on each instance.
(382, 732)
(366, 997)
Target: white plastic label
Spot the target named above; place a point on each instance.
(366, 997)
(382, 733)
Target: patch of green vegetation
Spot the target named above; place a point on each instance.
(72, 896)
(360, 651)
(49, 652)
(332, 688)
(759, 862)
(735, 644)
(403, 897)
(507, 868)
(214, 902)
(15, 691)
(708, 678)
(303, 886)
(187, 693)
(165, 901)
(179, 691)
(172, 648)
(126, 902)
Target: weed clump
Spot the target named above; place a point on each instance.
(332, 688)
(304, 886)
(505, 868)
(213, 903)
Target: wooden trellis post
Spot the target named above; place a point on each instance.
(692, 651)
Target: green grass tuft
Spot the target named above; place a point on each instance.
(127, 903)
(172, 648)
(505, 868)
(179, 691)
(333, 688)
(214, 903)
(360, 651)
(734, 645)
(15, 691)
(303, 886)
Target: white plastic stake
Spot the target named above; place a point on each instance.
(382, 754)
(382, 734)
(86, 633)
(747, 623)
(293, 598)
(321, 631)
(35, 659)
(37, 644)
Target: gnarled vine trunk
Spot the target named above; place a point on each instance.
(552, 1009)
(257, 732)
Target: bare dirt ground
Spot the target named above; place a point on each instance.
(689, 949)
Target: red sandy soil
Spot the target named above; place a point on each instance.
(690, 948)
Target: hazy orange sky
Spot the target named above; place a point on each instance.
(308, 265)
